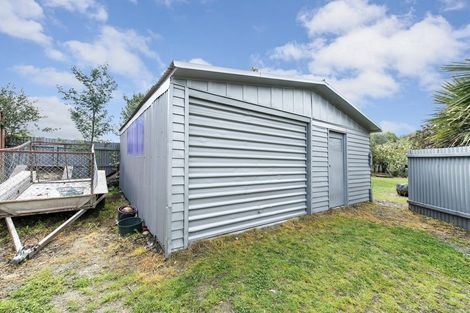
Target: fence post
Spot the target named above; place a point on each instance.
(2, 145)
(2, 132)
(92, 168)
(31, 161)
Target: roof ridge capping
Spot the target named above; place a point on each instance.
(194, 70)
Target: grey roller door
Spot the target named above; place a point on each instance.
(336, 169)
(246, 169)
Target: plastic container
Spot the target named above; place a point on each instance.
(130, 225)
(124, 212)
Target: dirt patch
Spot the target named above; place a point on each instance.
(88, 248)
(68, 301)
(224, 307)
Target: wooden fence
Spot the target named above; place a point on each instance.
(106, 153)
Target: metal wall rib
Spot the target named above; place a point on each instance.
(319, 174)
(246, 169)
(178, 116)
(358, 151)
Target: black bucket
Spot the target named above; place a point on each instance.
(122, 214)
(130, 225)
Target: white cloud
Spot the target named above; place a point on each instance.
(367, 84)
(123, 50)
(22, 19)
(364, 51)
(397, 127)
(199, 61)
(90, 8)
(341, 16)
(453, 5)
(47, 76)
(55, 54)
(57, 115)
(169, 3)
(290, 51)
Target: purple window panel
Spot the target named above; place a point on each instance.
(140, 136)
(129, 139)
(135, 137)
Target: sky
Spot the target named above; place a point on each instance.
(385, 57)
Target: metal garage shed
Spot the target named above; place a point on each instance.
(211, 151)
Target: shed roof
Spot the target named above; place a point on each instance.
(209, 72)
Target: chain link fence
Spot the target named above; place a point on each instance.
(106, 153)
(49, 162)
(12, 160)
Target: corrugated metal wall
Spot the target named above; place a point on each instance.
(319, 163)
(304, 103)
(178, 165)
(439, 183)
(359, 167)
(173, 152)
(143, 178)
(357, 164)
(299, 101)
(246, 169)
(325, 116)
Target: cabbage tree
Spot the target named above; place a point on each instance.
(451, 125)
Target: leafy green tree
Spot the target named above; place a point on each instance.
(391, 156)
(381, 138)
(378, 161)
(389, 153)
(451, 125)
(88, 105)
(19, 111)
(131, 104)
(422, 138)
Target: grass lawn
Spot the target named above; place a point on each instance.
(327, 264)
(368, 258)
(383, 189)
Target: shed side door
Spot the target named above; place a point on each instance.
(336, 169)
(246, 169)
